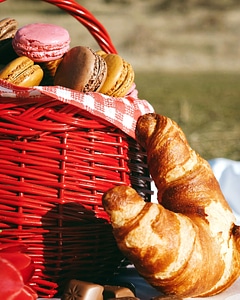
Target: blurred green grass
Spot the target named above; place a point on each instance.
(205, 105)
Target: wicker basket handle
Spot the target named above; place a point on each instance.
(96, 29)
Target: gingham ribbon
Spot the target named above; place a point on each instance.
(121, 112)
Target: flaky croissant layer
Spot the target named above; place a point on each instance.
(187, 244)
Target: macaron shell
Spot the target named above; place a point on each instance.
(126, 85)
(13, 68)
(98, 75)
(30, 77)
(120, 80)
(79, 70)
(51, 66)
(115, 68)
(101, 53)
(41, 41)
(49, 69)
(8, 28)
(22, 71)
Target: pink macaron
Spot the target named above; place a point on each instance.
(41, 42)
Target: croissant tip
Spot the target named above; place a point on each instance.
(146, 125)
(113, 198)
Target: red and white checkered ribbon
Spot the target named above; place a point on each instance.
(121, 112)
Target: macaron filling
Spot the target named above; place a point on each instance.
(98, 75)
(126, 84)
(115, 69)
(120, 80)
(41, 54)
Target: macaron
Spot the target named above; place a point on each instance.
(81, 69)
(49, 71)
(8, 28)
(22, 72)
(41, 41)
(120, 75)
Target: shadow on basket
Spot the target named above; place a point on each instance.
(75, 244)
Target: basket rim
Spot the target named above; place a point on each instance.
(122, 113)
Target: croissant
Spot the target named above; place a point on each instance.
(187, 244)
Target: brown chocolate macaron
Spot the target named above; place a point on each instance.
(81, 69)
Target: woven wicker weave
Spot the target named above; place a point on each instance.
(56, 162)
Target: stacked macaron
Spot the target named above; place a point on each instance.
(35, 44)
(120, 75)
(84, 70)
(41, 42)
(44, 56)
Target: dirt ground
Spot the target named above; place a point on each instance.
(177, 40)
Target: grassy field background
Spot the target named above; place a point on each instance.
(185, 55)
(205, 105)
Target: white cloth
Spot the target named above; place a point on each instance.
(227, 173)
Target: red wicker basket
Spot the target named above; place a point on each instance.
(57, 159)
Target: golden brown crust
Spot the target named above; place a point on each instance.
(180, 174)
(153, 238)
(188, 244)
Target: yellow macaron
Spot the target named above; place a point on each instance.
(120, 75)
(22, 72)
